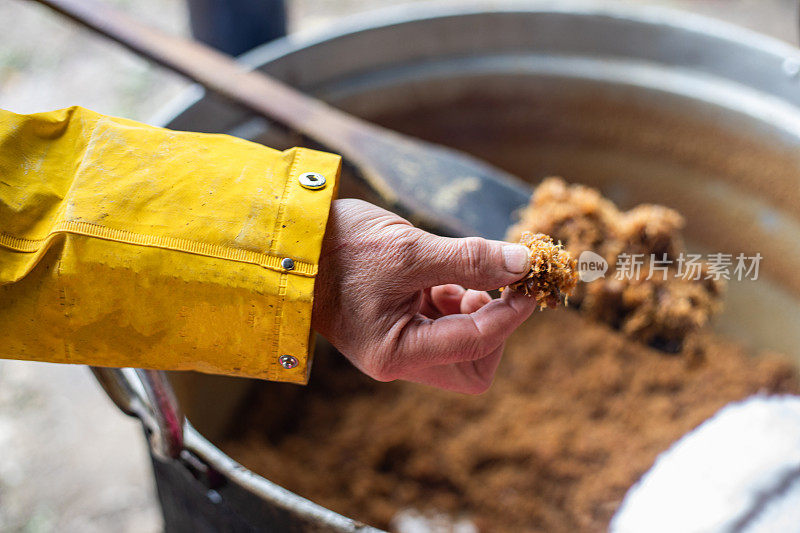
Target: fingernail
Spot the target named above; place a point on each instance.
(515, 258)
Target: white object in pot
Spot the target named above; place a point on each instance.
(738, 471)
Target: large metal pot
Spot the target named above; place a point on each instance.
(646, 104)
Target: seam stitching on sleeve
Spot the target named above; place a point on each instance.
(279, 216)
(88, 229)
(276, 234)
(276, 332)
(65, 308)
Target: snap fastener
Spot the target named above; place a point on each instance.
(312, 180)
(288, 361)
(287, 263)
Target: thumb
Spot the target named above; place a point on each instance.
(472, 262)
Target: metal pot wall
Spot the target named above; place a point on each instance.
(647, 104)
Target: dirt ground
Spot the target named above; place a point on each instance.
(69, 461)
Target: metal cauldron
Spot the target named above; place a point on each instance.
(648, 105)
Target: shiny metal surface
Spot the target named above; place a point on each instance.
(288, 361)
(147, 395)
(312, 180)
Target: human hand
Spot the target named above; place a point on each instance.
(386, 297)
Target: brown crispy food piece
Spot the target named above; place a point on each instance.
(661, 311)
(553, 274)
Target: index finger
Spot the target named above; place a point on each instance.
(471, 377)
(462, 337)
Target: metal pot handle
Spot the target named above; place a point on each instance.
(147, 395)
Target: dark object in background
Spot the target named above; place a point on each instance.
(236, 26)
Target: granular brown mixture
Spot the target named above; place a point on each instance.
(576, 414)
(662, 310)
(578, 411)
(552, 277)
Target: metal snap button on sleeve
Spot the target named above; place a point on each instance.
(312, 180)
(288, 361)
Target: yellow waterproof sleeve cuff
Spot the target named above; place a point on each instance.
(122, 244)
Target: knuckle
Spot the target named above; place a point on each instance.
(404, 249)
(383, 368)
(479, 386)
(482, 378)
(476, 349)
(466, 351)
(475, 344)
(474, 254)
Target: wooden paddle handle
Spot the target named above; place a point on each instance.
(217, 72)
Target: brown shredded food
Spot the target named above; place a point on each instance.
(576, 414)
(661, 311)
(552, 276)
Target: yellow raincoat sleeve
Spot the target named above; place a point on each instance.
(123, 244)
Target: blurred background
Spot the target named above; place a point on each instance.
(69, 460)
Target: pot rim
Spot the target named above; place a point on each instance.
(657, 16)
